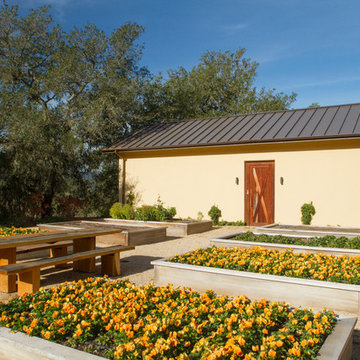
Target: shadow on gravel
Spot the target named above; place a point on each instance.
(128, 266)
(136, 264)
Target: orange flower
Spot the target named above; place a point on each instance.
(272, 353)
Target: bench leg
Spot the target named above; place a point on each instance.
(28, 282)
(59, 251)
(80, 245)
(110, 264)
(8, 282)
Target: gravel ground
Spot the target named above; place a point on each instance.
(135, 265)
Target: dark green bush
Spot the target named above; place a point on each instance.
(215, 214)
(122, 211)
(307, 211)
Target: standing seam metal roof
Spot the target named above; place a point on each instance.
(338, 121)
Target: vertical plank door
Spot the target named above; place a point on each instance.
(259, 192)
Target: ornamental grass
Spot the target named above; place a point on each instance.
(119, 320)
(332, 241)
(343, 269)
(10, 231)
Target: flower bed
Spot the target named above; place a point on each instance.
(11, 231)
(325, 241)
(343, 269)
(119, 320)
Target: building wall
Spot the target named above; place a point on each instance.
(192, 180)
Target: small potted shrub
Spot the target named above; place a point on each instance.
(307, 211)
(215, 214)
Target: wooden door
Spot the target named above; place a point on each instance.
(259, 192)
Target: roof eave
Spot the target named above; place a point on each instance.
(255, 142)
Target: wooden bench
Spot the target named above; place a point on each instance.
(29, 272)
(81, 240)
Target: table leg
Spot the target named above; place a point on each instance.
(29, 282)
(110, 264)
(80, 245)
(61, 250)
(8, 282)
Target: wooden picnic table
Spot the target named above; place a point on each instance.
(83, 241)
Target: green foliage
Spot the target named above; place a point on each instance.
(155, 213)
(146, 213)
(222, 84)
(314, 105)
(325, 241)
(64, 95)
(200, 216)
(307, 211)
(215, 214)
(231, 223)
(122, 211)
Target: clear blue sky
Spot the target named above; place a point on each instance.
(311, 47)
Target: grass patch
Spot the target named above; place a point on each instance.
(117, 319)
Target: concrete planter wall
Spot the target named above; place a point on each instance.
(173, 228)
(299, 292)
(224, 242)
(19, 346)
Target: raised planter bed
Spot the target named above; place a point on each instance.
(299, 292)
(173, 228)
(19, 346)
(307, 230)
(224, 241)
(130, 235)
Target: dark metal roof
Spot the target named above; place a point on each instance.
(341, 121)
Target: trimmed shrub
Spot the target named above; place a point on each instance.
(307, 211)
(122, 211)
(215, 214)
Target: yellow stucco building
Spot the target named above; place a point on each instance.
(260, 168)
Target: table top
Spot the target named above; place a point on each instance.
(54, 237)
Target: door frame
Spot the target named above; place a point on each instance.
(246, 210)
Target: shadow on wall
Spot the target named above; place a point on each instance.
(132, 195)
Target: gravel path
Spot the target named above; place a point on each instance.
(136, 266)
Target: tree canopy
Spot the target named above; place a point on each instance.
(65, 95)
(222, 84)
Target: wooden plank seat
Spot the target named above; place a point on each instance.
(29, 272)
